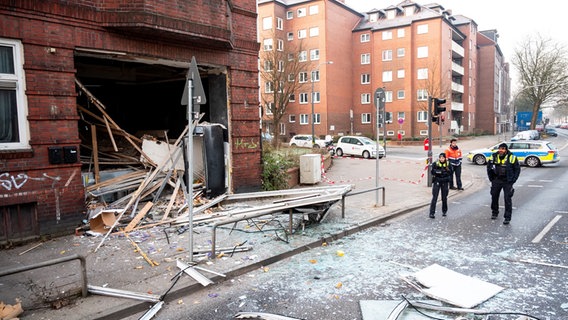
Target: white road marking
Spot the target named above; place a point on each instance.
(534, 186)
(546, 229)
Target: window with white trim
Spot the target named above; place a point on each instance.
(290, 57)
(365, 37)
(422, 29)
(388, 96)
(400, 52)
(400, 73)
(316, 97)
(400, 33)
(366, 58)
(365, 78)
(282, 129)
(422, 95)
(388, 117)
(292, 97)
(401, 115)
(269, 108)
(303, 98)
(268, 87)
(280, 65)
(422, 116)
(280, 45)
(292, 118)
(304, 118)
(315, 76)
(314, 31)
(14, 132)
(365, 98)
(268, 65)
(387, 35)
(279, 24)
(365, 118)
(267, 44)
(422, 52)
(422, 73)
(303, 77)
(289, 15)
(302, 33)
(400, 94)
(303, 56)
(267, 23)
(313, 10)
(387, 55)
(314, 54)
(317, 118)
(290, 36)
(301, 12)
(291, 77)
(387, 76)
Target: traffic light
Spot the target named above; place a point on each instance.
(438, 108)
(436, 119)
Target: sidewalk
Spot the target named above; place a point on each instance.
(118, 265)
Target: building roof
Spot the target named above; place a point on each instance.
(422, 13)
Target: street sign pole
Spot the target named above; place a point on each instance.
(430, 111)
(379, 104)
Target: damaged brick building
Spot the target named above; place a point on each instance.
(133, 57)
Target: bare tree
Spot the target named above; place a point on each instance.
(280, 69)
(542, 67)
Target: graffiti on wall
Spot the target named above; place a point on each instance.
(243, 144)
(15, 182)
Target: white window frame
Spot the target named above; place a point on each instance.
(365, 37)
(387, 55)
(291, 77)
(280, 45)
(268, 44)
(314, 31)
(289, 15)
(267, 23)
(315, 76)
(388, 96)
(400, 52)
(400, 94)
(304, 119)
(387, 76)
(365, 98)
(422, 52)
(302, 34)
(365, 78)
(387, 35)
(316, 97)
(365, 118)
(388, 117)
(422, 73)
(290, 36)
(303, 56)
(15, 82)
(400, 33)
(400, 73)
(304, 98)
(268, 87)
(314, 54)
(269, 108)
(422, 116)
(282, 129)
(292, 118)
(268, 65)
(313, 10)
(317, 118)
(302, 77)
(301, 12)
(280, 66)
(422, 95)
(365, 58)
(279, 23)
(401, 115)
(422, 29)
(292, 97)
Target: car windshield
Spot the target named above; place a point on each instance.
(367, 141)
(551, 146)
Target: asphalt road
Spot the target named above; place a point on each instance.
(527, 258)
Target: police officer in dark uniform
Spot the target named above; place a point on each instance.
(441, 175)
(503, 170)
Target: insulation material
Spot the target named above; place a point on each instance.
(455, 288)
(160, 151)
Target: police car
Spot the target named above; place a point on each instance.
(530, 153)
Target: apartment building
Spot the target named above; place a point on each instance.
(410, 51)
(306, 66)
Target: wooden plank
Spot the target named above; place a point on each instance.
(172, 200)
(139, 216)
(95, 153)
(110, 135)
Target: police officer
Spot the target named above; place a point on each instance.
(441, 174)
(503, 170)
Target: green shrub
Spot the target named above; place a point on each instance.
(274, 172)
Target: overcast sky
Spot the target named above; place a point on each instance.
(513, 19)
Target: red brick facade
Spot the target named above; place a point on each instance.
(216, 32)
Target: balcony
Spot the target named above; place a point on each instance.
(457, 106)
(457, 50)
(457, 87)
(457, 69)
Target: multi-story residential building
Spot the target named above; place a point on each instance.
(308, 45)
(133, 56)
(409, 50)
(493, 90)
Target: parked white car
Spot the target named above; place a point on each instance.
(305, 141)
(526, 135)
(358, 146)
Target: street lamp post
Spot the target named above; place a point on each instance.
(313, 111)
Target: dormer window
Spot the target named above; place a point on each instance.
(408, 11)
(391, 14)
(373, 17)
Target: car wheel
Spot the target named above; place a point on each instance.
(316, 146)
(339, 152)
(479, 159)
(366, 154)
(293, 145)
(532, 162)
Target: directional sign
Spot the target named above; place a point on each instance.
(379, 97)
(198, 92)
